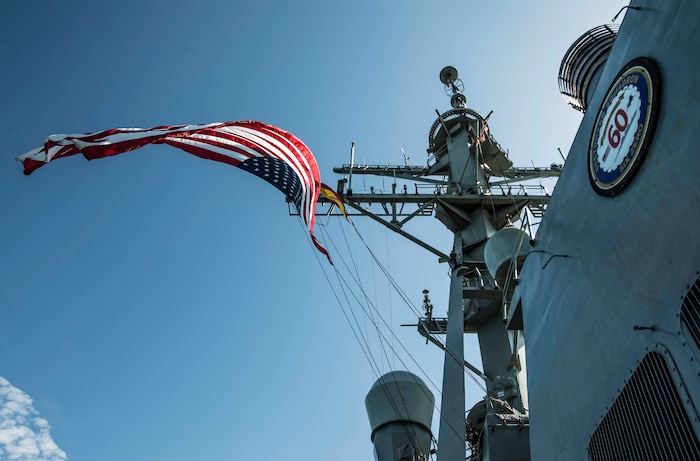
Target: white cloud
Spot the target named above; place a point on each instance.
(24, 435)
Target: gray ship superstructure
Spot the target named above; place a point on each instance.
(604, 297)
(610, 293)
(471, 186)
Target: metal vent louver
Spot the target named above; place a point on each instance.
(581, 62)
(647, 421)
(690, 314)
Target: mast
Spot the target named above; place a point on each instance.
(461, 149)
(474, 190)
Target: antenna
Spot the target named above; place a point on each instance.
(405, 157)
(453, 86)
(448, 75)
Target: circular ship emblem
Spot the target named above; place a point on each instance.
(624, 126)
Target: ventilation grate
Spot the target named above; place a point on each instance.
(647, 421)
(690, 314)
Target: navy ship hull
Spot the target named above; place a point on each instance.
(608, 291)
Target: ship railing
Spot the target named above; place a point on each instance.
(502, 189)
(423, 196)
(518, 189)
(478, 277)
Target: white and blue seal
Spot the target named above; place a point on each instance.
(624, 126)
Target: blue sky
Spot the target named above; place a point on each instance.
(156, 306)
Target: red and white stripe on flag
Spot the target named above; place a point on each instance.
(274, 154)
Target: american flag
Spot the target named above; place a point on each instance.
(271, 153)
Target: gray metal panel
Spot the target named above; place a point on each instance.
(504, 440)
(602, 265)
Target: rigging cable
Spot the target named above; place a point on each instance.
(391, 306)
(415, 310)
(358, 281)
(425, 374)
(369, 354)
(411, 306)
